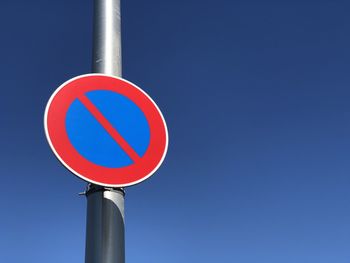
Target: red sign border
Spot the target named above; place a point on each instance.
(54, 124)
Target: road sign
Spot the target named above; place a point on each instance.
(106, 130)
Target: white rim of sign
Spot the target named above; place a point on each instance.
(82, 176)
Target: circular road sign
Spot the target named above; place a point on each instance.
(106, 130)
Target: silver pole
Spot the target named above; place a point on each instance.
(107, 55)
(105, 225)
(105, 241)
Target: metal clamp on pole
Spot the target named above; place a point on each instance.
(105, 242)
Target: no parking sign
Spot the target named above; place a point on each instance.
(106, 130)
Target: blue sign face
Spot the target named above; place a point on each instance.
(90, 138)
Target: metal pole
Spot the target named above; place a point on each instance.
(107, 55)
(105, 241)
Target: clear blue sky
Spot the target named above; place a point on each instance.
(256, 97)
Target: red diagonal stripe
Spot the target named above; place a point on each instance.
(109, 128)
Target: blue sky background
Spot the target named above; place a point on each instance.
(256, 97)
